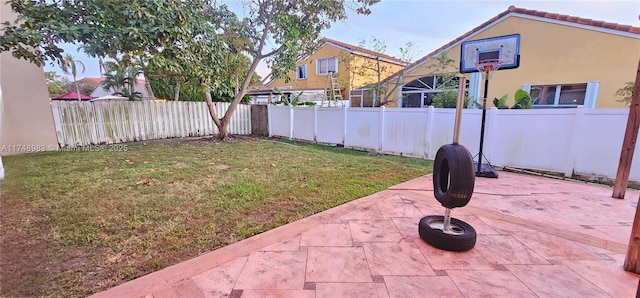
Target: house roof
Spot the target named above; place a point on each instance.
(72, 96)
(98, 91)
(360, 51)
(283, 91)
(353, 50)
(572, 19)
(512, 10)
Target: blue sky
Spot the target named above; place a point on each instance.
(431, 24)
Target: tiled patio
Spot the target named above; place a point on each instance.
(537, 237)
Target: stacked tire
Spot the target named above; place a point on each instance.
(453, 183)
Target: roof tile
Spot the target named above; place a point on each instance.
(366, 51)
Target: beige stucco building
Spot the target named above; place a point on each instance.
(565, 61)
(26, 121)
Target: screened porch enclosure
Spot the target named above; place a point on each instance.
(420, 92)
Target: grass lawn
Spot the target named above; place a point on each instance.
(75, 223)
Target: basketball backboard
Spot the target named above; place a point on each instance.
(505, 48)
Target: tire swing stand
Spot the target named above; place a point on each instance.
(453, 183)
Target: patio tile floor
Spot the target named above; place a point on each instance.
(537, 237)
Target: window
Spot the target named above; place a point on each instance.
(411, 100)
(363, 98)
(419, 93)
(301, 73)
(565, 95)
(325, 65)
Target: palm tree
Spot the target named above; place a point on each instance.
(114, 81)
(69, 66)
(120, 79)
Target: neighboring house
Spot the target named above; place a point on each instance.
(346, 62)
(565, 61)
(26, 121)
(72, 95)
(140, 87)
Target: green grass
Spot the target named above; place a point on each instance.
(75, 223)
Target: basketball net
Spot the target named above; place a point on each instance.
(487, 66)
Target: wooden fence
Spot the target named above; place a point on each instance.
(90, 123)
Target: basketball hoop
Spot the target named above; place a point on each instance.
(486, 66)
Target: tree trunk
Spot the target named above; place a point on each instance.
(629, 141)
(221, 124)
(176, 95)
(237, 87)
(223, 131)
(632, 261)
(147, 85)
(378, 98)
(101, 66)
(77, 88)
(243, 90)
(247, 79)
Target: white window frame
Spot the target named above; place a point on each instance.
(328, 59)
(590, 96)
(304, 70)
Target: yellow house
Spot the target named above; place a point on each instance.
(351, 66)
(561, 57)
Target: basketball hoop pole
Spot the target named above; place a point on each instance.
(486, 56)
(484, 116)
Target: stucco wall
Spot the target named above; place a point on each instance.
(554, 54)
(26, 119)
(368, 67)
(314, 81)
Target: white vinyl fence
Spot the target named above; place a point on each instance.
(90, 123)
(577, 141)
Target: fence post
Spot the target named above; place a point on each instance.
(315, 124)
(381, 127)
(344, 129)
(429, 133)
(572, 151)
(290, 122)
(269, 120)
(58, 123)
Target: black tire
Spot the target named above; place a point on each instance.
(464, 240)
(453, 176)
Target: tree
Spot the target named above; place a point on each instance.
(56, 84)
(121, 78)
(292, 26)
(186, 38)
(444, 68)
(449, 99)
(367, 67)
(70, 66)
(385, 94)
(625, 94)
